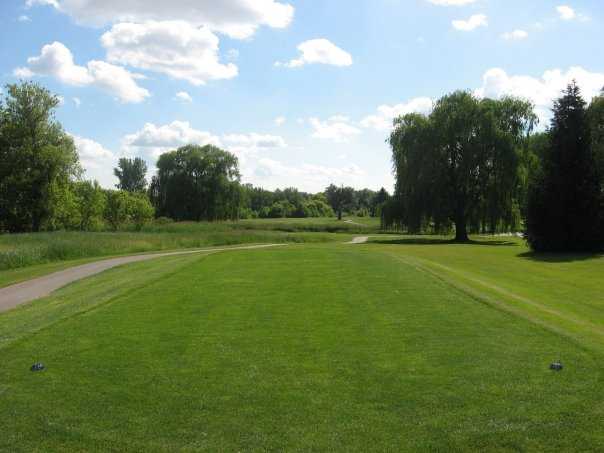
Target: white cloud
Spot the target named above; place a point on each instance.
(176, 48)
(516, 35)
(273, 174)
(280, 121)
(184, 96)
(382, 120)
(56, 60)
(337, 128)
(235, 18)
(30, 3)
(566, 12)
(541, 91)
(451, 2)
(77, 102)
(152, 140)
(97, 161)
(253, 141)
(320, 51)
(475, 21)
(24, 18)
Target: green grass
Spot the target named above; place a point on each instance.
(323, 347)
(23, 250)
(564, 292)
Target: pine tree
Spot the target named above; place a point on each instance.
(563, 204)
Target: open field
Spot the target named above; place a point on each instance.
(401, 344)
(24, 250)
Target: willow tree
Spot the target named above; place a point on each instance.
(197, 183)
(460, 163)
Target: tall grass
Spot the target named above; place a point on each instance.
(21, 250)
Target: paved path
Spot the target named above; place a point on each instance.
(355, 223)
(359, 240)
(20, 293)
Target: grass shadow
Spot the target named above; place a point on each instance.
(560, 257)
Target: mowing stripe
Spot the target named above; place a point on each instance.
(424, 266)
(20, 293)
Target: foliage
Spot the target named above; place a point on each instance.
(565, 195)
(140, 209)
(116, 208)
(131, 174)
(38, 158)
(340, 198)
(459, 165)
(197, 183)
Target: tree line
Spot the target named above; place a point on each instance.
(42, 185)
(476, 165)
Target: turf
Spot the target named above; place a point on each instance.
(305, 348)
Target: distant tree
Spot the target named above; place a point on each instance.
(340, 198)
(197, 183)
(378, 201)
(131, 174)
(564, 197)
(116, 208)
(91, 202)
(140, 209)
(38, 159)
(459, 164)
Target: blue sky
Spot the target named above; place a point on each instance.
(303, 92)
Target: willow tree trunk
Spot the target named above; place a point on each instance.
(461, 231)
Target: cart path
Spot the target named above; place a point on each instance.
(20, 293)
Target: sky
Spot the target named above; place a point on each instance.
(303, 92)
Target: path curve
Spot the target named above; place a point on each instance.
(359, 240)
(20, 293)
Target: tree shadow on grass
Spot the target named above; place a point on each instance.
(560, 257)
(427, 240)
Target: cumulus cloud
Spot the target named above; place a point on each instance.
(566, 12)
(30, 3)
(516, 35)
(280, 121)
(24, 18)
(235, 18)
(153, 140)
(56, 60)
(337, 129)
(77, 102)
(184, 96)
(542, 91)
(451, 2)
(382, 120)
(176, 48)
(319, 51)
(475, 21)
(96, 160)
(272, 174)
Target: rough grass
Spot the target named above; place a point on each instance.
(22, 250)
(305, 348)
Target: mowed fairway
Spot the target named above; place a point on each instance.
(303, 348)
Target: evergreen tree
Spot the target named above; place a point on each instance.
(564, 196)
